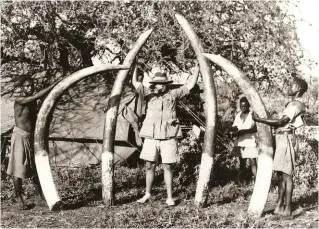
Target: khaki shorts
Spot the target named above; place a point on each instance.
(245, 152)
(167, 148)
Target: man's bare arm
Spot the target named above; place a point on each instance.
(40, 94)
(247, 131)
(272, 122)
(193, 80)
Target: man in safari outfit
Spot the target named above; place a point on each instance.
(161, 128)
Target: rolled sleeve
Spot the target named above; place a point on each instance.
(181, 92)
(141, 90)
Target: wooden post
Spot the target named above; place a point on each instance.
(110, 123)
(265, 158)
(41, 141)
(210, 113)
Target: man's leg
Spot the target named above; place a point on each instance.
(150, 173)
(18, 190)
(253, 164)
(281, 194)
(242, 167)
(168, 178)
(169, 149)
(288, 193)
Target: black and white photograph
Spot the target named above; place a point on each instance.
(159, 114)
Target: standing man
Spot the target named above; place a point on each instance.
(286, 143)
(161, 128)
(245, 131)
(21, 161)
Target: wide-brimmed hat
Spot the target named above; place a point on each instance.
(160, 78)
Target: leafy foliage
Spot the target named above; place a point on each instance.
(257, 36)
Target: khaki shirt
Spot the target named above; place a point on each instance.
(161, 112)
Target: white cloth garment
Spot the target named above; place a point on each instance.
(245, 121)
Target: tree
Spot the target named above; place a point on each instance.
(256, 36)
(47, 40)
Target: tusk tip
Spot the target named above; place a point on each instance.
(207, 55)
(179, 16)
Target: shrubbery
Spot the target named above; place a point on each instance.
(84, 184)
(226, 167)
(306, 174)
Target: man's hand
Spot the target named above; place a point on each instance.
(235, 134)
(238, 133)
(241, 132)
(234, 131)
(173, 122)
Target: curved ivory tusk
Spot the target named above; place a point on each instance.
(264, 171)
(210, 112)
(41, 141)
(110, 122)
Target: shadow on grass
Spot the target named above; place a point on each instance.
(76, 201)
(307, 201)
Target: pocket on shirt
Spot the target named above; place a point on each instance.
(172, 131)
(147, 130)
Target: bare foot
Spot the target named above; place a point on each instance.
(298, 211)
(40, 202)
(279, 210)
(144, 199)
(170, 202)
(22, 206)
(287, 212)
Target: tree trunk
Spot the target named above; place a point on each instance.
(40, 140)
(265, 158)
(110, 123)
(64, 57)
(210, 113)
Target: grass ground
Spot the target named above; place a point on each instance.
(82, 206)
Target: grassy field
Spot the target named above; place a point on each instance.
(82, 206)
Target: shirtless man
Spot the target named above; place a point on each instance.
(286, 143)
(21, 162)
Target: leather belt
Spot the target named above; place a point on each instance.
(280, 131)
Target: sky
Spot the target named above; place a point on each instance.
(306, 13)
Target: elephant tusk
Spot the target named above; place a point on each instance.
(265, 158)
(210, 112)
(110, 123)
(41, 148)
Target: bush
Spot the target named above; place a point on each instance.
(306, 174)
(225, 166)
(189, 156)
